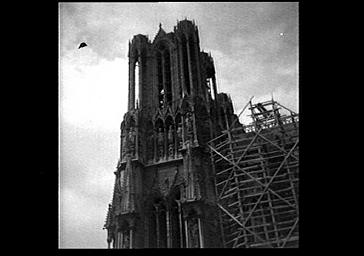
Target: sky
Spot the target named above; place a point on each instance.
(255, 51)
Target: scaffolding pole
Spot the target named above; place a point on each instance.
(256, 178)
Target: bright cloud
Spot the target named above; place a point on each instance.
(81, 217)
(93, 91)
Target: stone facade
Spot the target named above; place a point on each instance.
(164, 193)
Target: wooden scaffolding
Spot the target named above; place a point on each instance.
(256, 178)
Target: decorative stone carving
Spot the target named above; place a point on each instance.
(160, 143)
(132, 140)
(193, 233)
(170, 134)
(170, 142)
(166, 180)
(164, 187)
(126, 238)
(189, 126)
(124, 147)
(198, 181)
(179, 138)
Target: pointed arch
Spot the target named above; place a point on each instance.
(137, 65)
(176, 222)
(168, 112)
(157, 115)
(159, 218)
(162, 49)
(160, 82)
(137, 76)
(159, 124)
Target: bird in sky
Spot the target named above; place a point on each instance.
(83, 44)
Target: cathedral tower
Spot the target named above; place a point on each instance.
(164, 194)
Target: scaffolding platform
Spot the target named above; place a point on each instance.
(256, 178)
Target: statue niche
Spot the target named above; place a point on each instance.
(189, 127)
(128, 137)
(170, 142)
(179, 143)
(159, 135)
(132, 140)
(170, 137)
(193, 233)
(160, 144)
(124, 146)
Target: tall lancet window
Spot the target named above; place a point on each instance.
(177, 230)
(167, 72)
(191, 47)
(185, 69)
(136, 76)
(160, 80)
(179, 69)
(210, 88)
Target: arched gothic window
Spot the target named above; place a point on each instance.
(164, 77)
(122, 238)
(136, 76)
(167, 72)
(160, 80)
(185, 70)
(178, 231)
(193, 62)
(159, 224)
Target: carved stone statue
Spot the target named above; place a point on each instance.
(189, 125)
(170, 142)
(126, 238)
(193, 234)
(124, 146)
(196, 185)
(132, 140)
(160, 143)
(179, 136)
(170, 134)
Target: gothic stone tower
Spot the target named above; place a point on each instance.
(164, 194)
